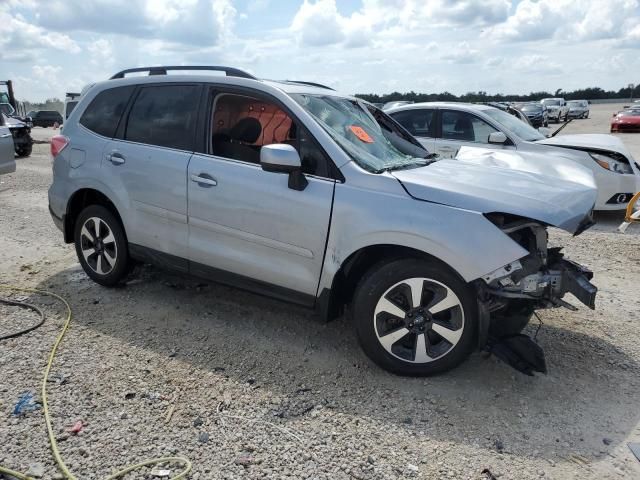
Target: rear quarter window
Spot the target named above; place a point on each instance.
(165, 115)
(104, 112)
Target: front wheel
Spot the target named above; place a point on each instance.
(101, 246)
(415, 317)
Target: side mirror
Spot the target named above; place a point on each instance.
(545, 131)
(497, 137)
(283, 158)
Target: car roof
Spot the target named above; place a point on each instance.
(454, 105)
(286, 86)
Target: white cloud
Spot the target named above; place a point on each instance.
(194, 22)
(461, 53)
(16, 34)
(568, 20)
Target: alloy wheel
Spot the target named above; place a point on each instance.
(98, 245)
(419, 320)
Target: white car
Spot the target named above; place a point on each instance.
(7, 149)
(444, 128)
(578, 108)
(557, 109)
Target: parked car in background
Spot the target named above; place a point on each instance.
(70, 102)
(578, 108)
(557, 109)
(47, 118)
(536, 113)
(156, 168)
(397, 103)
(7, 155)
(445, 127)
(626, 121)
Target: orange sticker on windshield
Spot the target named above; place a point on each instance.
(361, 134)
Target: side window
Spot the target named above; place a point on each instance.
(164, 115)
(419, 122)
(242, 125)
(465, 127)
(104, 112)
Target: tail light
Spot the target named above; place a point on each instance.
(58, 143)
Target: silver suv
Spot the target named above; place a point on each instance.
(292, 190)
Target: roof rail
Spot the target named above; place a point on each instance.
(311, 84)
(162, 70)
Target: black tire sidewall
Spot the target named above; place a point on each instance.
(380, 278)
(121, 269)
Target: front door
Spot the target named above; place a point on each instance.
(462, 129)
(246, 225)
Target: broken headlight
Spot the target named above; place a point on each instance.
(611, 164)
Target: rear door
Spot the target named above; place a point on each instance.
(458, 129)
(147, 162)
(421, 123)
(7, 149)
(246, 226)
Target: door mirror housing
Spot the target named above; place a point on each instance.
(497, 137)
(283, 158)
(545, 131)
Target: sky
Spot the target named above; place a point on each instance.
(49, 47)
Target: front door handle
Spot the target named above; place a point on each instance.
(116, 158)
(204, 179)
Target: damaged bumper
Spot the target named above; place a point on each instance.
(546, 288)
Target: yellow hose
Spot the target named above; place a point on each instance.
(629, 214)
(47, 417)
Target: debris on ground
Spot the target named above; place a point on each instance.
(76, 428)
(26, 403)
(36, 470)
(159, 472)
(635, 449)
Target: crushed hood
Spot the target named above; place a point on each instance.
(589, 141)
(552, 199)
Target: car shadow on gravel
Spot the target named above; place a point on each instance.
(587, 404)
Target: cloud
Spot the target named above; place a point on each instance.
(573, 20)
(18, 35)
(536, 64)
(194, 22)
(462, 53)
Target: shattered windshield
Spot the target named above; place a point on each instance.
(515, 125)
(352, 126)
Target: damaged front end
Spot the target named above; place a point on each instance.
(539, 280)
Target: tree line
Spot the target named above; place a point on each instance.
(593, 93)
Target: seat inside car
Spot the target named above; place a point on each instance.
(239, 142)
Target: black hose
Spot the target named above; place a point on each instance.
(28, 306)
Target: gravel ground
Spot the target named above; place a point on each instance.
(247, 387)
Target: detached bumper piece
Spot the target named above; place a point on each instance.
(520, 352)
(575, 280)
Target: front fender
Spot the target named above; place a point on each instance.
(465, 240)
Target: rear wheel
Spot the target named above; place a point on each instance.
(101, 245)
(24, 150)
(415, 317)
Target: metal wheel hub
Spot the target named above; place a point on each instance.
(98, 245)
(419, 320)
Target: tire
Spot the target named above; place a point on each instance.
(511, 320)
(24, 151)
(415, 342)
(109, 262)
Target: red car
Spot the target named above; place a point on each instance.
(626, 121)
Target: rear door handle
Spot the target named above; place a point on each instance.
(116, 158)
(204, 179)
